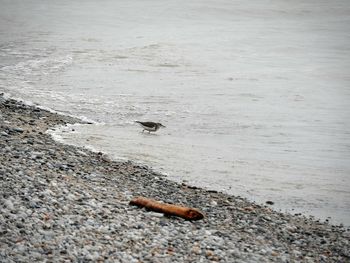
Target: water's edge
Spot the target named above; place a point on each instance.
(78, 197)
(57, 133)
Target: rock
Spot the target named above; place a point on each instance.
(19, 130)
(3, 133)
(8, 203)
(213, 203)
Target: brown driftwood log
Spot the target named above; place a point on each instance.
(168, 209)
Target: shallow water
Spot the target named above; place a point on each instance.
(254, 95)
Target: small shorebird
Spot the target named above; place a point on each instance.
(150, 126)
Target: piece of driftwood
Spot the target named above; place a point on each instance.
(168, 209)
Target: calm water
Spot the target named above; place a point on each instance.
(255, 95)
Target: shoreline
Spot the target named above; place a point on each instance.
(62, 202)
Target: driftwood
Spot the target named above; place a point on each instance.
(168, 209)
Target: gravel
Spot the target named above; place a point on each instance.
(61, 203)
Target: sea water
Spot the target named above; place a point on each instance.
(254, 94)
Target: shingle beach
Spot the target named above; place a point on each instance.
(61, 203)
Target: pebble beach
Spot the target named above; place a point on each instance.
(62, 203)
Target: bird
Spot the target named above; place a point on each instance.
(150, 126)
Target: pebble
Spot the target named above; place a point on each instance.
(8, 203)
(18, 130)
(3, 133)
